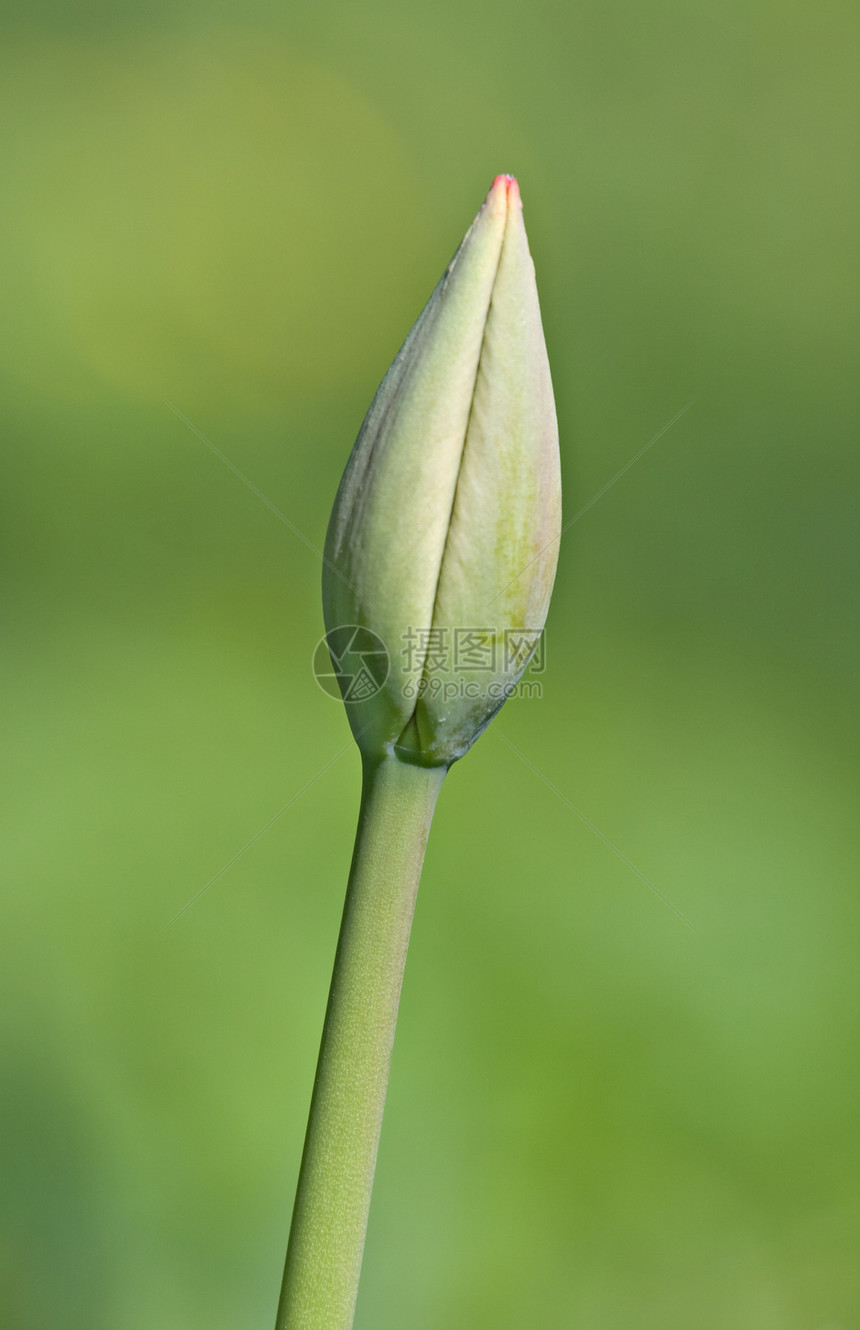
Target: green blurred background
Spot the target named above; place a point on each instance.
(599, 1117)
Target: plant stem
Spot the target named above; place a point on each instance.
(333, 1195)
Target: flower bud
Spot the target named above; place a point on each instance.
(443, 540)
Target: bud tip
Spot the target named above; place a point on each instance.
(505, 187)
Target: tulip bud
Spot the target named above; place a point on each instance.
(443, 540)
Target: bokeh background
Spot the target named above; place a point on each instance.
(600, 1117)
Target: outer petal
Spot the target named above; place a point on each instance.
(501, 551)
(389, 526)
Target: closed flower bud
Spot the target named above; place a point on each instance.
(443, 540)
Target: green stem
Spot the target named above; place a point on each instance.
(333, 1195)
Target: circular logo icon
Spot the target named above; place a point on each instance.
(352, 663)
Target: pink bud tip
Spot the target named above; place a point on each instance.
(509, 182)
